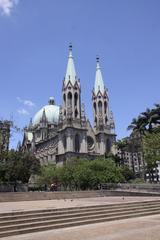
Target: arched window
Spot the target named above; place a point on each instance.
(64, 142)
(95, 108)
(77, 144)
(95, 121)
(100, 107)
(75, 99)
(108, 146)
(76, 113)
(106, 119)
(70, 99)
(105, 107)
(64, 99)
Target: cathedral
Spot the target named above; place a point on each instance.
(58, 133)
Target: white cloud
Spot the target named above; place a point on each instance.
(6, 6)
(19, 99)
(23, 111)
(27, 103)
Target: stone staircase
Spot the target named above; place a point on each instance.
(14, 223)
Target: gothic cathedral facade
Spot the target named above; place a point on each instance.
(58, 133)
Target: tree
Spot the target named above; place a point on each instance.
(154, 117)
(18, 166)
(146, 125)
(127, 173)
(151, 146)
(5, 132)
(146, 121)
(82, 173)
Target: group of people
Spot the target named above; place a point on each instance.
(53, 187)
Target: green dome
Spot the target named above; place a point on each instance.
(51, 112)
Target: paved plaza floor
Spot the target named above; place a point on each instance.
(142, 228)
(65, 203)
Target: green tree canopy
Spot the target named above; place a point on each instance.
(82, 173)
(17, 166)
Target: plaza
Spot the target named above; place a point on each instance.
(139, 228)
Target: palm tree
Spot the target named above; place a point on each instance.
(146, 120)
(138, 125)
(154, 117)
(134, 125)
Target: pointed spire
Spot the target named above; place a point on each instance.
(44, 118)
(99, 84)
(70, 72)
(30, 123)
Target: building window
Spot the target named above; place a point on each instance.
(100, 107)
(108, 145)
(75, 99)
(95, 121)
(76, 113)
(70, 99)
(95, 108)
(64, 142)
(77, 144)
(105, 107)
(64, 99)
(106, 119)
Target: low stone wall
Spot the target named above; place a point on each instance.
(10, 187)
(137, 187)
(33, 196)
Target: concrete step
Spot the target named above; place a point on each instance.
(76, 213)
(19, 221)
(76, 222)
(19, 214)
(72, 218)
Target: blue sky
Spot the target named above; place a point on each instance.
(34, 39)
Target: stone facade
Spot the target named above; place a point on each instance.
(59, 133)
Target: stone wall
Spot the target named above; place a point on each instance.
(10, 187)
(33, 196)
(134, 187)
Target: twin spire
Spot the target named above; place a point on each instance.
(72, 77)
(70, 72)
(99, 84)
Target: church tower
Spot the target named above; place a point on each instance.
(103, 119)
(100, 101)
(71, 91)
(72, 123)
